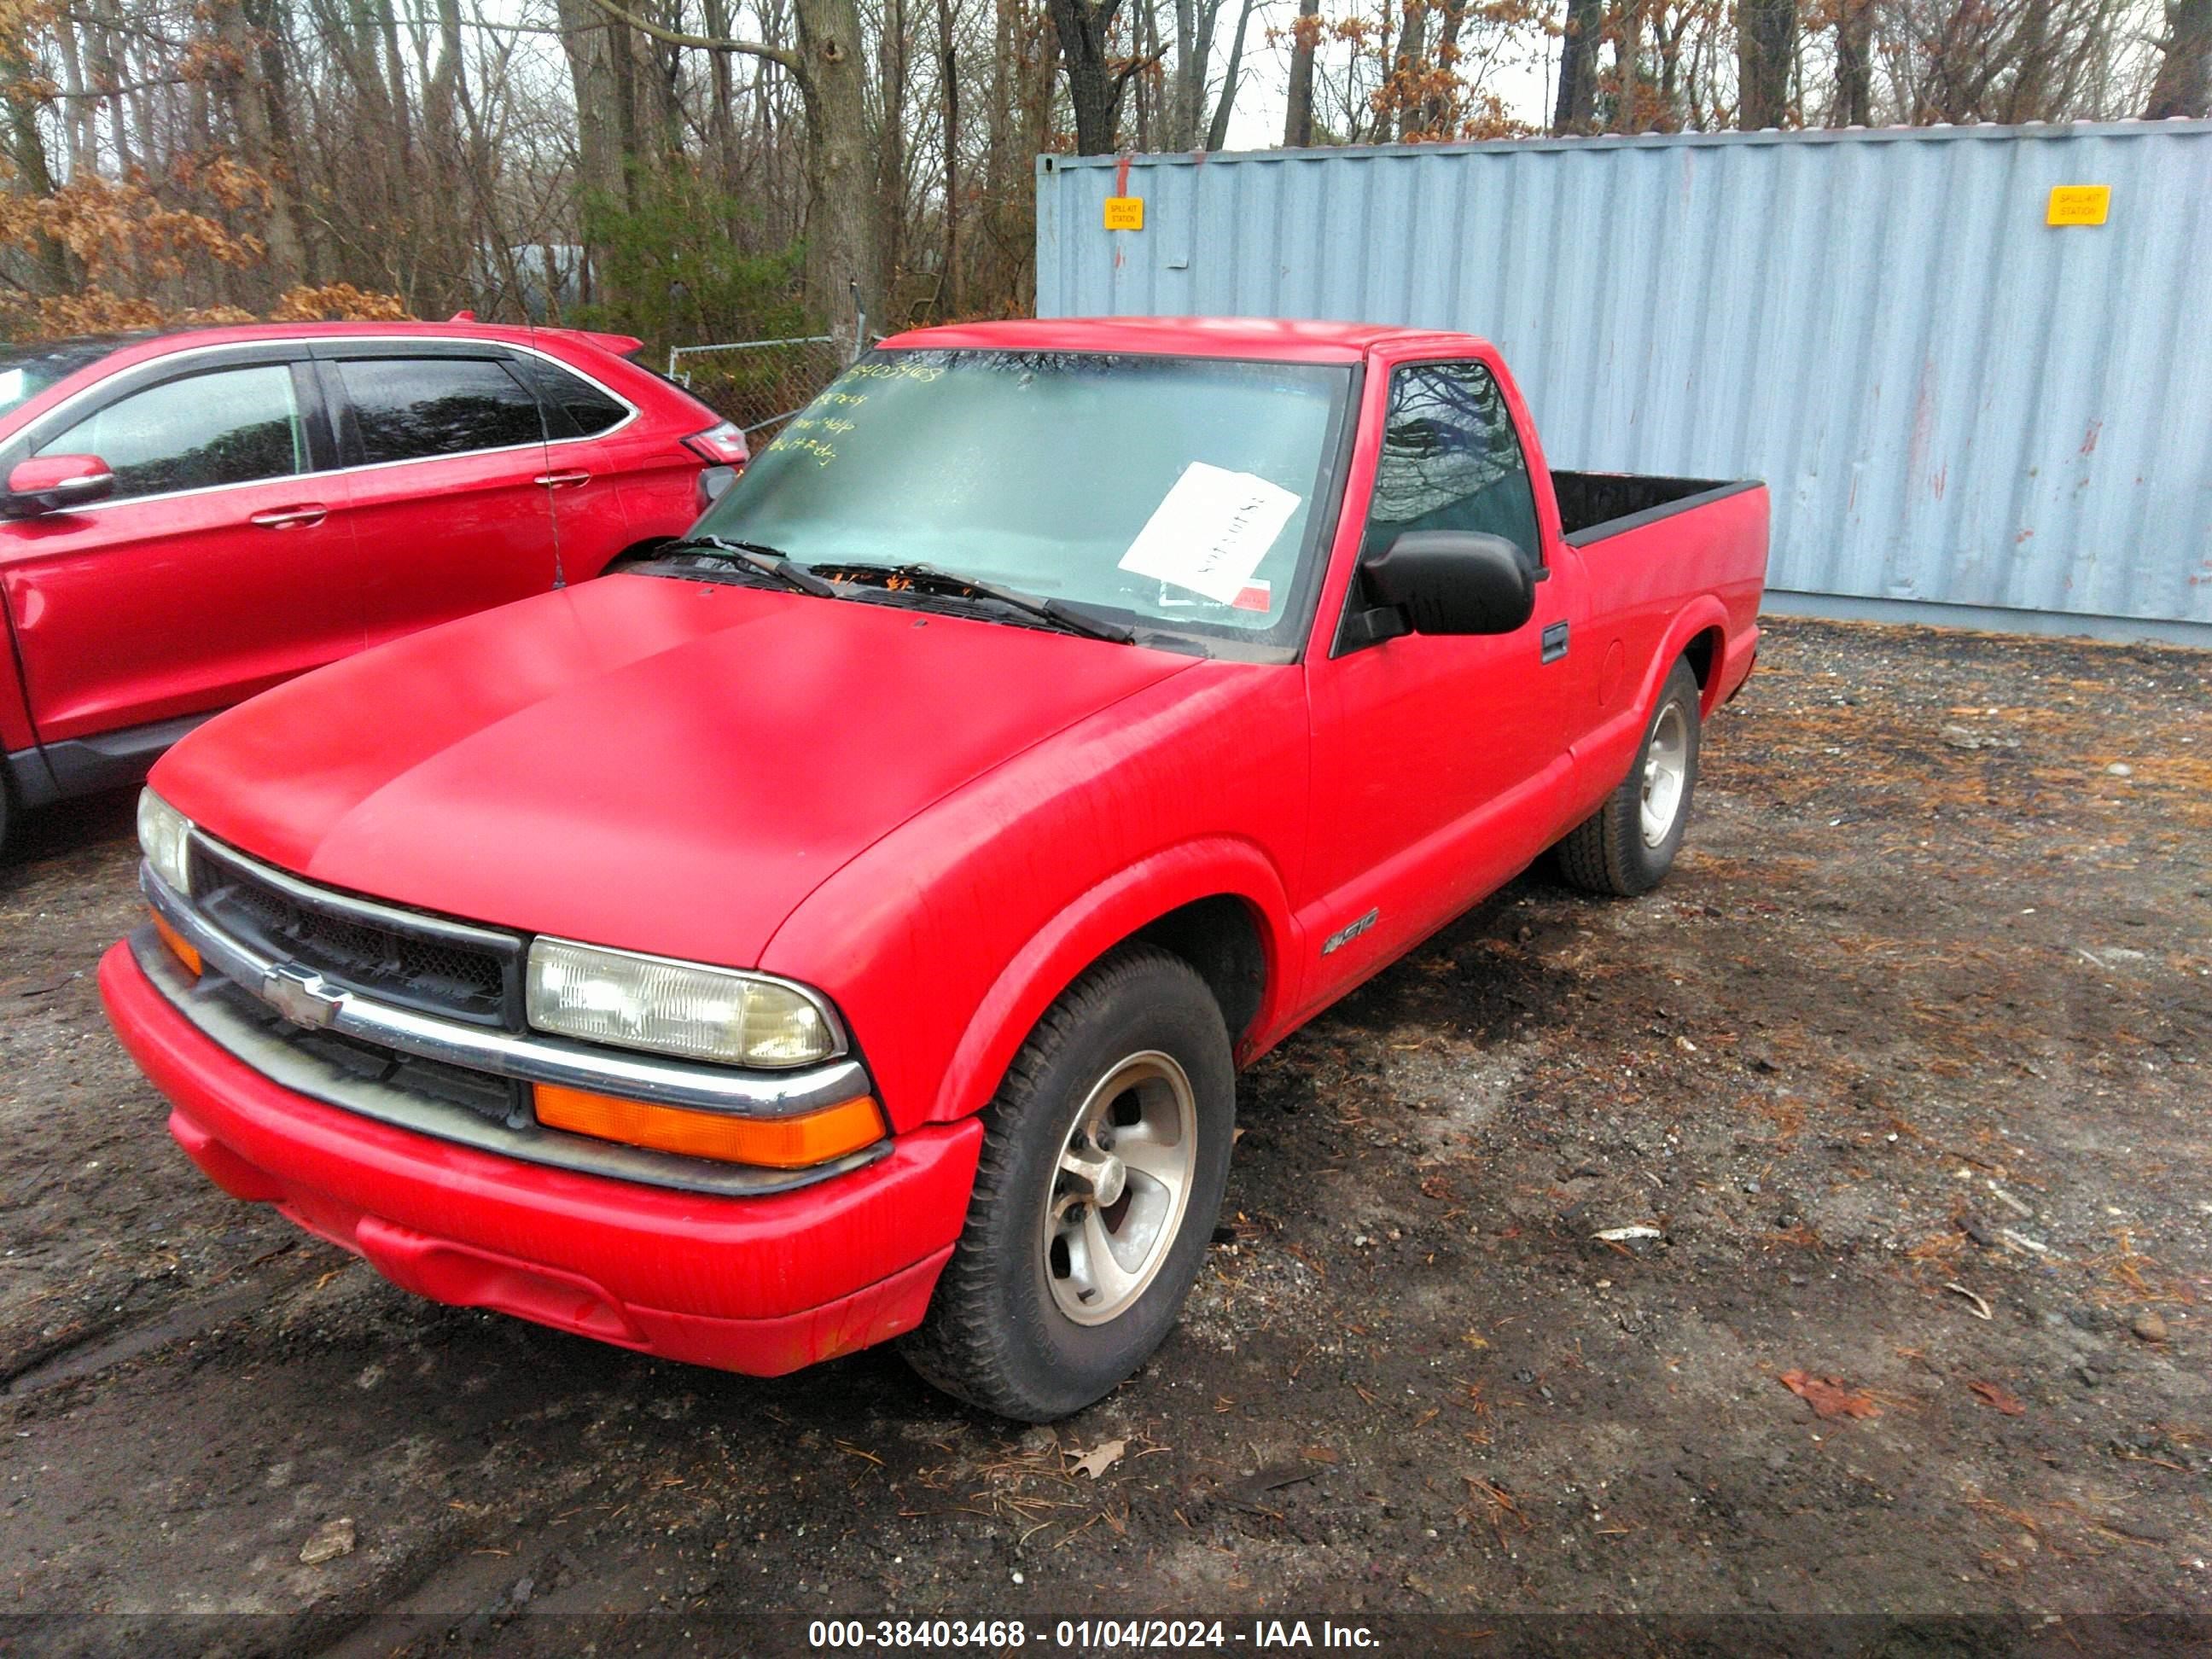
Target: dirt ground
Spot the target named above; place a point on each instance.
(1906, 1067)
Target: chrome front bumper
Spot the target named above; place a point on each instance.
(251, 1006)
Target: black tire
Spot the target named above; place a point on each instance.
(1608, 851)
(995, 1336)
(7, 811)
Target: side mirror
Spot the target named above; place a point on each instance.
(715, 482)
(1454, 581)
(56, 483)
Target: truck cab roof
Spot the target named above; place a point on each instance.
(1276, 339)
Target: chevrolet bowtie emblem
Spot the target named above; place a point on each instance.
(299, 995)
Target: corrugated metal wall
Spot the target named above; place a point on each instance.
(1955, 403)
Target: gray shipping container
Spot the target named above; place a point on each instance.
(1966, 414)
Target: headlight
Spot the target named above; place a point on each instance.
(164, 835)
(675, 1007)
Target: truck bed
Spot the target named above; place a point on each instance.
(1595, 505)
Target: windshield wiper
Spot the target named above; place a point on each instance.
(929, 579)
(759, 556)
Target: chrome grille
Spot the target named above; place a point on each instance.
(460, 973)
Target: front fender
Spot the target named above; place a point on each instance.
(1123, 904)
(944, 941)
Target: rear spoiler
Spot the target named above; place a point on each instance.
(622, 345)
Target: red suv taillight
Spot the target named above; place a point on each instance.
(723, 445)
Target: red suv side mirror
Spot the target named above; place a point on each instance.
(55, 484)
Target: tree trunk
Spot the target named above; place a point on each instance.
(587, 39)
(2184, 86)
(77, 106)
(402, 136)
(1298, 124)
(1578, 43)
(951, 298)
(250, 110)
(1196, 23)
(1855, 63)
(722, 124)
(1628, 55)
(1766, 45)
(272, 20)
(843, 256)
(893, 47)
(1217, 133)
(456, 260)
(1405, 66)
(1436, 106)
(1085, 28)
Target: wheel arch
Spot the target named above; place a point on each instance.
(1219, 904)
(1699, 635)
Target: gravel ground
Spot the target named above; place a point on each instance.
(1900, 1079)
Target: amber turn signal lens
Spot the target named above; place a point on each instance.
(176, 942)
(778, 1143)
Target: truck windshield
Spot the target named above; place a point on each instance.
(1174, 492)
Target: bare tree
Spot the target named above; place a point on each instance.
(1298, 122)
(1095, 78)
(1766, 49)
(1580, 36)
(2184, 86)
(1217, 132)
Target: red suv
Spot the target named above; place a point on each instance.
(192, 518)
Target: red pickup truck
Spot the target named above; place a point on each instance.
(850, 925)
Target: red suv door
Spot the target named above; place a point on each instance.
(617, 474)
(468, 490)
(217, 567)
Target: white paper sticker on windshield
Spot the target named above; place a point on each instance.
(1210, 531)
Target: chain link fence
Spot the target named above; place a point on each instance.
(758, 384)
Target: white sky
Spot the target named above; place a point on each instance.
(1257, 121)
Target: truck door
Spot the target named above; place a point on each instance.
(1436, 758)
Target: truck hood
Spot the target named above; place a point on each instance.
(664, 765)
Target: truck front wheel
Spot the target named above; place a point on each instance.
(1627, 845)
(1105, 1154)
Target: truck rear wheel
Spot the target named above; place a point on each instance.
(1627, 845)
(1105, 1154)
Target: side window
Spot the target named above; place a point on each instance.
(410, 407)
(226, 427)
(590, 410)
(1451, 460)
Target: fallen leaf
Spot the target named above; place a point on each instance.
(1828, 1397)
(328, 1542)
(2001, 1399)
(1319, 1454)
(1981, 1308)
(1101, 1458)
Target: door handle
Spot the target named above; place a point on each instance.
(1554, 642)
(557, 480)
(283, 517)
